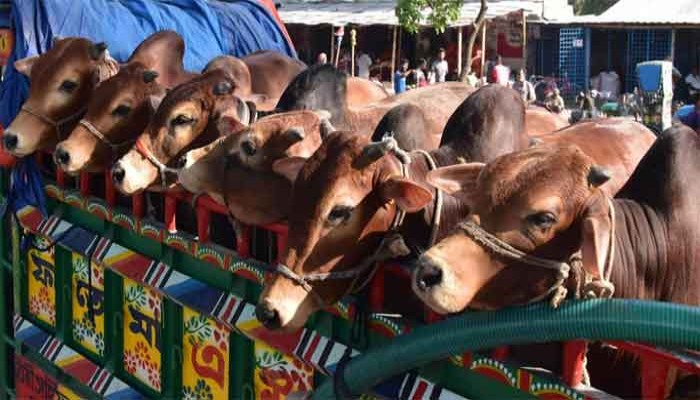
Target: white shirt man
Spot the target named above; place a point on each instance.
(439, 68)
(693, 79)
(364, 61)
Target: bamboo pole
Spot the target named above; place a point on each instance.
(483, 48)
(353, 43)
(393, 57)
(524, 40)
(332, 46)
(459, 51)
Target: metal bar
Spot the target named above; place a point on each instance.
(459, 50)
(393, 57)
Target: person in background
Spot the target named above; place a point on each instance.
(693, 81)
(501, 73)
(681, 94)
(420, 72)
(322, 59)
(525, 88)
(400, 77)
(555, 103)
(440, 68)
(364, 62)
(692, 119)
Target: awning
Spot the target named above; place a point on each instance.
(382, 13)
(637, 12)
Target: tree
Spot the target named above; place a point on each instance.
(582, 7)
(440, 13)
(477, 25)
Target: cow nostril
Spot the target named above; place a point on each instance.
(61, 157)
(267, 316)
(9, 140)
(181, 162)
(248, 148)
(118, 174)
(428, 276)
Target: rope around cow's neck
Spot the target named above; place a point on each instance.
(162, 168)
(56, 124)
(391, 246)
(593, 288)
(102, 138)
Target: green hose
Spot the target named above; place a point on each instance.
(663, 324)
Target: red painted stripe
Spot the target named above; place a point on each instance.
(48, 352)
(311, 349)
(229, 308)
(102, 378)
(82, 370)
(159, 274)
(420, 390)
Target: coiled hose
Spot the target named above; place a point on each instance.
(659, 323)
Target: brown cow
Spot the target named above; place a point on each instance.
(61, 81)
(540, 121)
(121, 106)
(348, 194)
(265, 73)
(186, 119)
(363, 91)
(242, 164)
(546, 202)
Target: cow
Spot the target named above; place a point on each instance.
(343, 205)
(546, 202)
(121, 107)
(185, 119)
(325, 88)
(540, 121)
(61, 81)
(264, 73)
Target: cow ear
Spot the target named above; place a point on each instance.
(154, 101)
(597, 235)
(408, 195)
(227, 125)
(459, 180)
(24, 65)
(289, 167)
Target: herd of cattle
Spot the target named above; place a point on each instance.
(500, 204)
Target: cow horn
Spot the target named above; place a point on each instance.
(598, 176)
(222, 88)
(149, 76)
(371, 153)
(97, 49)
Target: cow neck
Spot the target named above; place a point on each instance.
(417, 227)
(645, 263)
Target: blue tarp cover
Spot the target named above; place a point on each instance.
(210, 28)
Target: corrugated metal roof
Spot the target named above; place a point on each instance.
(382, 12)
(641, 12)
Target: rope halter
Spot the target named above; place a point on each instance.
(163, 169)
(591, 288)
(102, 138)
(55, 124)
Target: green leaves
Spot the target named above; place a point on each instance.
(438, 13)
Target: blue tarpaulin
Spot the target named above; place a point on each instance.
(209, 28)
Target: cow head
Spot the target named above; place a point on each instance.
(187, 118)
(61, 81)
(344, 200)
(119, 110)
(243, 161)
(544, 201)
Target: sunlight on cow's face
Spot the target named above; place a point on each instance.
(61, 81)
(530, 200)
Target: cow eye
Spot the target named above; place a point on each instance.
(68, 86)
(181, 120)
(542, 220)
(339, 214)
(121, 111)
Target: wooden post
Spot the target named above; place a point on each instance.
(332, 46)
(353, 43)
(393, 57)
(524, 40)
(459, 51)
(483, 48)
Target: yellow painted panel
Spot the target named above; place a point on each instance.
(64, 393)
(88, 304)
(277, 375)
(205, 367)
(142, 333)
(41, 282)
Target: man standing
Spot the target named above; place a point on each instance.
(501, 73)
(364, 61)
(692, 119)
(439, 68)
(400, 77)
(322, 58)
(525, 88)
(693, 81)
